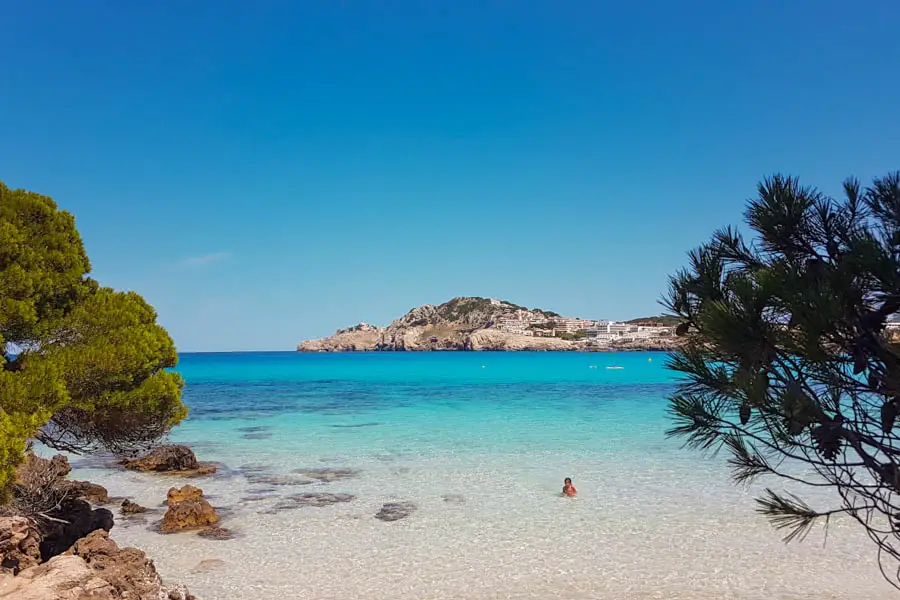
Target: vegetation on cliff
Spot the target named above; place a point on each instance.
(787, 363)
(82, 366)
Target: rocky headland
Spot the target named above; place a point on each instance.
(474, 323)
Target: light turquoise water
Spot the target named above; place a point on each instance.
(500, 430)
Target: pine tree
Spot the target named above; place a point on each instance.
(82, 367)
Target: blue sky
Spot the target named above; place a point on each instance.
(266, 172)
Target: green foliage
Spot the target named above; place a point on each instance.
(661, 320)
(788, 365)
(572, 337)
(83, 367)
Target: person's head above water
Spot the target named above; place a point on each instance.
(567, 481)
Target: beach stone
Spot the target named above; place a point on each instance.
(174, 459)
(318, 500)
(132, 508)
(209, 564)
(20, 544)
(454, 498)
(326, 475)
(76, 520)
(216, 533)
(394, 511)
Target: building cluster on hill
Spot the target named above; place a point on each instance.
(593, 332)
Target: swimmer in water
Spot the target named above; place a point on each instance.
(569, 489)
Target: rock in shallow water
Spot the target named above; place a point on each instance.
(326, 475)
(217, 533)
(394, 511)
(210, 564)
(132, 508)
(256, 436)
(188, 509)
(454, 498)
(313, 499)
(174, 459)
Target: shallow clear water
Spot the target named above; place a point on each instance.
(499, 430)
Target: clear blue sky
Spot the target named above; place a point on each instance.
(266, 172)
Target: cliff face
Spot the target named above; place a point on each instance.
(461, 324)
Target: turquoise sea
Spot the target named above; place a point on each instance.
(479, 444)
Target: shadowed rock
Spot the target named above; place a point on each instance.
(317, 500)
(394, 511)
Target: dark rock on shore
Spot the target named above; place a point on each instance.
(75, 519)
(173, 459)
(394, 511)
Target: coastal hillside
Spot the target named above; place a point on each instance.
(475, 323)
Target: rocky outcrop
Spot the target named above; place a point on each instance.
(171, 459)
(93, 568)
(20, 544)
(188, 509)
(469, 323)
(92, 492)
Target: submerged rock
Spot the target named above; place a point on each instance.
(326, 475)
(279, 480)
(174, 459)
(394, 511)
(318, 500)
(217, 533)
(256, 436)
(209, 564)
(454, 498)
